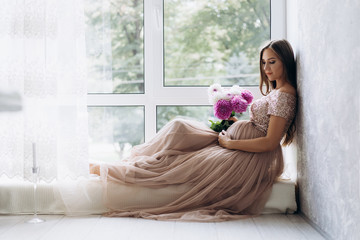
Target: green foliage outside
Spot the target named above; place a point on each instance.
(207, 41)
(167, 113)
(115, 45)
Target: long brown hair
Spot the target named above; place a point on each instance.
(284, 51)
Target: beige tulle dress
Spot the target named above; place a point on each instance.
(221, 184)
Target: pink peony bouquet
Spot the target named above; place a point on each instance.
(226, 103)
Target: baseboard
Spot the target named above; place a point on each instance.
(314, 225)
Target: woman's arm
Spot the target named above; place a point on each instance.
(261, 144)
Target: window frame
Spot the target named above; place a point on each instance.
(155, 93)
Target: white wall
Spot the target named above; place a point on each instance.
(326, 36)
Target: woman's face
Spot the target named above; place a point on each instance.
(272, 65)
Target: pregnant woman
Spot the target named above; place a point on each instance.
(227, 175)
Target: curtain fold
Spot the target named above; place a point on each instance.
(43, 56)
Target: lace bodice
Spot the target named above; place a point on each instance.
(276, 103)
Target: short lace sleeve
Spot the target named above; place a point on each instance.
(282, 104)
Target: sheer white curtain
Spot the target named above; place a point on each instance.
(42, 56)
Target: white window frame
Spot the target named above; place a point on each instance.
(155, 93)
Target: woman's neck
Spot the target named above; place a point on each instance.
(280, 83)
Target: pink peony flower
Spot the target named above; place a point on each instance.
(222, 109)
(247, 95)
(239, 104)
(228, 95)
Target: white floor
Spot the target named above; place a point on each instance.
(274, 226)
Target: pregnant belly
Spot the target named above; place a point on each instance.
(244, 130)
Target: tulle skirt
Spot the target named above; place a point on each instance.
(212, 183)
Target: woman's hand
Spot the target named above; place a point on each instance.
(234, 119)
(224, 139)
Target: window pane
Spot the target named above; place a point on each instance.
(200, 113)
(207, 41)
(114, 46)
(113, 131)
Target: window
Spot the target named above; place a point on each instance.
(115, 44)
(152, 60)
(113, 131)
(214, 40)
(164, 114)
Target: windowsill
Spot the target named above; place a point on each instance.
(85, 197)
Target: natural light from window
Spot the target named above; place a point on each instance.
(147, 59)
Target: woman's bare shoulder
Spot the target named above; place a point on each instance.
(288, 89)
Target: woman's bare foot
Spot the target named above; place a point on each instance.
(95, 169)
